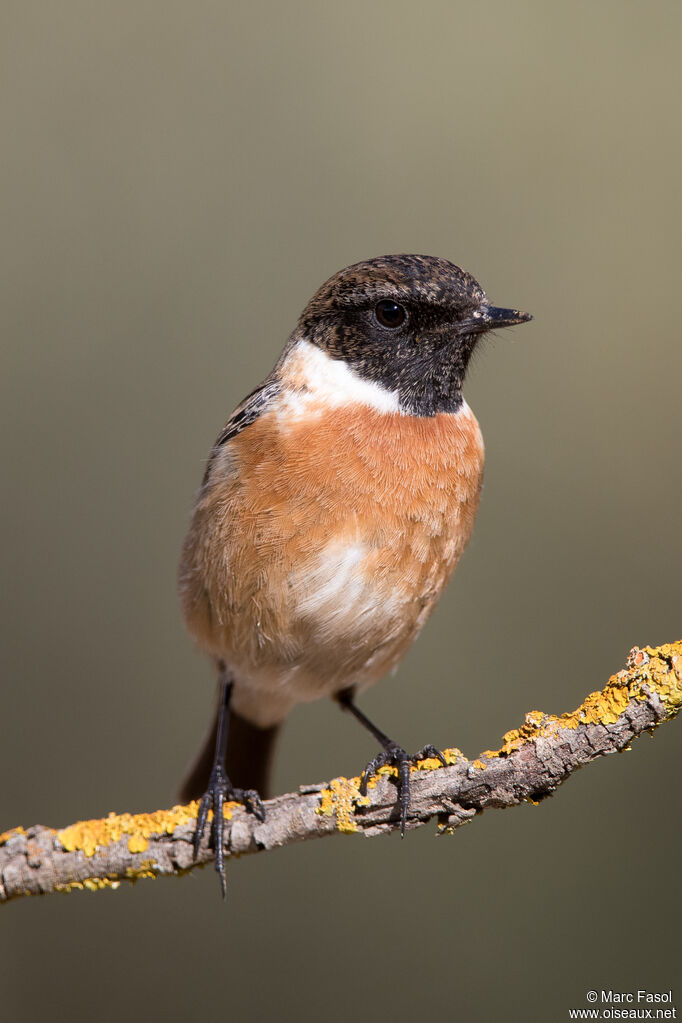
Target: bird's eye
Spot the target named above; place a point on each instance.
(390, 314)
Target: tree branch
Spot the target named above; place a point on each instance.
(531, 763)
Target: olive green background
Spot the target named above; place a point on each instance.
(176, 180)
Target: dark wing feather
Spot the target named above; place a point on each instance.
(247, 412)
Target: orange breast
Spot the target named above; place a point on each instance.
(320, 544)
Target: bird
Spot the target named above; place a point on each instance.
(335, 505)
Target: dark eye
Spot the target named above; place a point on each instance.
(390, 314)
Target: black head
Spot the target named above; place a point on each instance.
(409, 323)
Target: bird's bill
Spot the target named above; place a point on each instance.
(490, 317)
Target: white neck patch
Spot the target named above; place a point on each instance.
(313, 377)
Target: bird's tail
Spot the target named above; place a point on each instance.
(248, 762)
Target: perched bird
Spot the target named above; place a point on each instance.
(335, 505)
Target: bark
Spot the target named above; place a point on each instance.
(531, 763)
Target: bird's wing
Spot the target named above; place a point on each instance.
(247, 412)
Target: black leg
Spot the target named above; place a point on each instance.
(220, 789)
(392, 754)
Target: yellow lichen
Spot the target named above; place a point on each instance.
(427, 764)
(90, 884)
(146, 869)
(452, 755)
(12, 833)
(89, 836)
(651, 669)
(137, 843)
(341, 798)
(665, 669)
(343, 794)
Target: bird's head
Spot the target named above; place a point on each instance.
(407, 323)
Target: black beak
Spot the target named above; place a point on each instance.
(490, 317)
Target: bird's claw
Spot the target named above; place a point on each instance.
(220, 791)
(430, 752)
(395, 756)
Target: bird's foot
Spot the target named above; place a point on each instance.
(395, 756)
(220, 791)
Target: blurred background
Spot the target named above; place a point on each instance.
(177, 179)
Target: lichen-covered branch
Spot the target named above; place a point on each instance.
(531, 763)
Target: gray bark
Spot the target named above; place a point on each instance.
(35, 861)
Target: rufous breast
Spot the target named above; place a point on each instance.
(322, 541)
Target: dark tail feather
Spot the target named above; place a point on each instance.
(249, 759)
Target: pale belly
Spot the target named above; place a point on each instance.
(353, 530)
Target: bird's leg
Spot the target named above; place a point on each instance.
(391, 753)
(220, 789)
